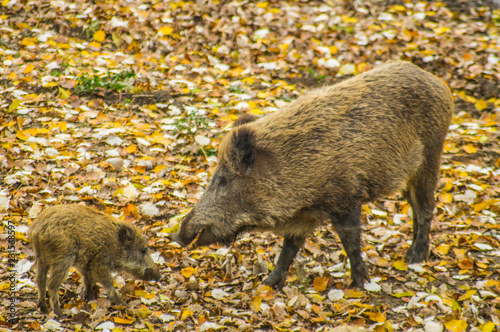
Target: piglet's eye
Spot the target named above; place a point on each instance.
(144, 251)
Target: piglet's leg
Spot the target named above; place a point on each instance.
(103, 275)
(291, 247)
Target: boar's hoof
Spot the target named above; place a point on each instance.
(151, 274)
(91, 292)
(118, 302)
(59, 313)
(42, 305)
(359, 277)
(275, 280)
(416, 253)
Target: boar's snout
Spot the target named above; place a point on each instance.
(178, 239)
(151, 274)
(206, 237)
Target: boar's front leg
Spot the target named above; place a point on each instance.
(291, 247)
(348, 226)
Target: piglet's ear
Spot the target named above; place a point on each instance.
(126, 235)
(243, 146)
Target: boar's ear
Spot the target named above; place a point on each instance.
(126, 235)
(244, 147)
(244, 118)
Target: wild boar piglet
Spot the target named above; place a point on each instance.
(95, 243)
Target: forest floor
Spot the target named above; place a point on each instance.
(121, 105)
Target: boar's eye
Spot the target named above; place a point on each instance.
(144, 251)
(222, 181)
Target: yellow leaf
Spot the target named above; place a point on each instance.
(441, 30)
(443, 249)
(256, 302)
(456, 325)
(400, 265)
(62, 126)
(188, 271)
(488, 327)
(469, 148)
(22, 135)
(249, 80)
(29, 68)
(95, 45)
(348, 19)
(263, 4)
(64, 94)
(333, 49)
(156, 137)
(186, 314)
(262, 94)
(99, 36)
(124, 321)
(14, 105)
(131, 148)
(256, 111)
(5, 2)
(467, 294)
(165, 31)
(446, 197)
(320, 284)
(481, 104)
(159, 168)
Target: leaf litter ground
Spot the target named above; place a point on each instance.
(121, 105)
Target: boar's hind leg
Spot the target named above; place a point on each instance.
(291, 247)
(41, 281)
(57, 274)
(420, 195)
(348, 227)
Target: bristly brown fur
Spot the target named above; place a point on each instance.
(326, 154)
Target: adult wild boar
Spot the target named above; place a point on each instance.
(97, 244)
(322, 157)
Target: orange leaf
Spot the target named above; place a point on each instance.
(131, 149)
(124, 321)
(320, 284)
(21, 135)
(469, 148)
(376, 317)
(266, 292)
(29, 68)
